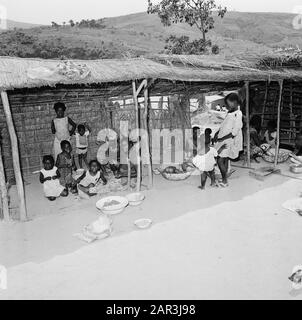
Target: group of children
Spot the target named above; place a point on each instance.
(59, 173)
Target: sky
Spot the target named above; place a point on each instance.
(45, 11)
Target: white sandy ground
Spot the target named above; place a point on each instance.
(236, 243)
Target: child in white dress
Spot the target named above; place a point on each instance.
(60, 127)
(49, 177)
(90, 179)
(207, 161)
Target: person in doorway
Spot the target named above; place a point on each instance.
(62, 127)
(229, 134)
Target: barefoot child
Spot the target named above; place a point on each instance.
(82, 143)
(91, 179)
(49, 177)
(230, 134)
(206, 162)
(66, 165)
(60, 127)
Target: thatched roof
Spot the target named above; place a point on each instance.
(28, 73)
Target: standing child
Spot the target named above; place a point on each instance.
(66, 165)
(91, 179)
(60, 127)
(206, 162)
(230, 134)
(49, 177)
(82, 143)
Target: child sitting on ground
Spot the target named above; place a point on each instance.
(82, 143)
(49, 177)
(66, 165)
(91, 179)
(206, 162)
(270, 135)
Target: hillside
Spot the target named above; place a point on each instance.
(11, 24)
(140, 33)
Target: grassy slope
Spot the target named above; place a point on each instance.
(142, 33)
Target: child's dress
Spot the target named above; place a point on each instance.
(62, 133)
(82, 143)
(207, 162)
(89, 179)
(52, 188)
(232, 124)
(66, 178)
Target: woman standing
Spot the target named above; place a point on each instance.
(230, 134)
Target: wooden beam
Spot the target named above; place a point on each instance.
(139, 175)
(3, 190)
(247, 113)
(147, 128)
(279, 122)
(15, 153)
(140, 88)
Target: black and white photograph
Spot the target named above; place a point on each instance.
(151, 150)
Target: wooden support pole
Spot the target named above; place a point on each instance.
(3, 190)
(147, 128)
(15, 153)
(264, 103)
(279, 121)
(139, 175)
(247, 113)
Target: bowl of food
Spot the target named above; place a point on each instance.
(296, 168)
(112, 205)
(135, 199)
(143, 223)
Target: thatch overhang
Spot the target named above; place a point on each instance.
(110, 73)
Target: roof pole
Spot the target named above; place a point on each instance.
(147, 128)
(15, 153)
(279, 122)
(139, 175)
(3, 190)
(247, 112)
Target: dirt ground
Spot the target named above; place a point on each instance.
(235, 243)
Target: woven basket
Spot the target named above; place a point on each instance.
(176, 176)
(282, 156)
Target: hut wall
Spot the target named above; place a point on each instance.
(33, 112)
